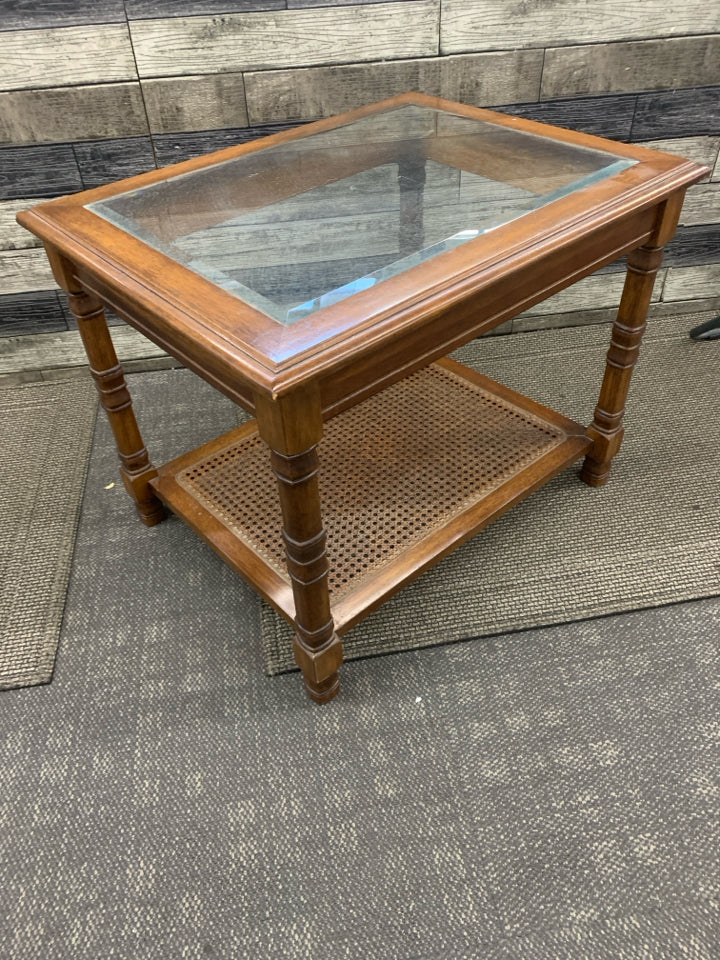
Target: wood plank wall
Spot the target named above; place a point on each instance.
(95, 90)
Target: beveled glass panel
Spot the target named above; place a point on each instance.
(295, 227)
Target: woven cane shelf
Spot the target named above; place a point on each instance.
(405, 476)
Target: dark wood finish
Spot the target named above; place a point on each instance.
(43, 171)
(28, 313)
(677, 113)
(609, 116)
(102, 161)
(295, 377)
(606, 429)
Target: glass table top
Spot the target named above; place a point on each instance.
(295, 227)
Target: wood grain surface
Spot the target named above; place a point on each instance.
(692, 283)
(98, 53)
(205, 102)
(285, 38)
(90, 112)
(482, 24)
(592, 69)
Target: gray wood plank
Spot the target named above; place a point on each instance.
(312, 92)
(694, 245)
(44, 171)
(72, 113)
(631, 67)
(22, 271)
(12, 235)
(104, 161)
(489, 24)
(610, 116)
(702, 205)
(152, 9)
(702, 150)
(65, 56)
(175, 105)
(598, 290)
(677, 113)
(34, 14)
(692, 283)
(286, 38)
(716, 170)
(29, 313)
(57, 350)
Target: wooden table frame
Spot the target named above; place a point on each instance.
(295, 378)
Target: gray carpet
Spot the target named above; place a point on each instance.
(548, 795)
(45, 435)
(651, 536)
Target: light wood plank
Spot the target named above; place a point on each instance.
(286, 38)
(25, 270)
(716, 171)
(313, 92)
(692, 283)
(629, 67)
(46, 351)
(66, 56)
(474, 25)
(12, 235)
(195, 103)
(72, 113)
(702, 205)
(703, 150)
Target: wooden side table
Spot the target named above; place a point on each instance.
(318, 278)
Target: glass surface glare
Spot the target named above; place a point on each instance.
(293, 228)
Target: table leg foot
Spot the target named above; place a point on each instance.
(325, 691)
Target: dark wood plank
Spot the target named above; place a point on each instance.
(677, 113)
(610, 116)
(640, 66)
(105, 161)
(152, 9)
(34, 14)
(44, 171)
(174, 147)
(27, 313)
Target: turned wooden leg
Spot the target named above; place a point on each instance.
(135, 467)
(291, 427)
(606, 429)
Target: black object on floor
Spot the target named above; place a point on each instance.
(710, 330)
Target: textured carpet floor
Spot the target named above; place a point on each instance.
(651, 536)
(547, 795)
(45, 436)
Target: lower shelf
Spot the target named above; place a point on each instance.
(406, 476)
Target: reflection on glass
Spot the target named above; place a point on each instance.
(294, 228)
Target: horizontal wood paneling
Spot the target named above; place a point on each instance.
(104, 161)
(43, 171)
(716, 171)
(28, 313)
(152, 9)
(702, 205)
(694, 245)
(66, 56)
(312, 92)
(603, 116)
(32, 15)
(12, 235)
(201, 102)
(628, 67)
(24, 270)
(506, 24)
(172, 148)
(72, 113)
(703, 150)
(599, 290)
(286, 38)
(692, 283)
(677, 113)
